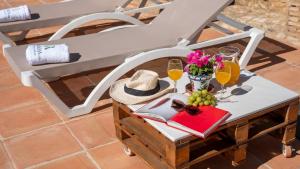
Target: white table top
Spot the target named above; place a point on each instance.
(264, 94)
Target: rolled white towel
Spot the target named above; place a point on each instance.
(15, 14)
(44, 54)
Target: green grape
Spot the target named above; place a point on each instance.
(194, 94)
(206, 103)
(202, 99)
(191, 99)
(204, 92)
(208, 97)
(199, 93)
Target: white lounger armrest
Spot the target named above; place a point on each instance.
(119, 14)
(256, 35)
(93, 17)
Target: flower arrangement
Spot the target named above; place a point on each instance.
(200, 63)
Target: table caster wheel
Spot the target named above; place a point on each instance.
(127, 151)
(287, 151)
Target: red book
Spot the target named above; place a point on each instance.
(201, 124)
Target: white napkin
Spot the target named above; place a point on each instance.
(15, 14)
(44, 54)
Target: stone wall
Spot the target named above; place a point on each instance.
(294, 18)
(270, 5)
(279, 18)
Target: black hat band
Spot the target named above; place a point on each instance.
(136, 92)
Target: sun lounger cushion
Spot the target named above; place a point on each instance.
(91, 51)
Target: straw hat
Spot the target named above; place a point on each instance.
(144, 85)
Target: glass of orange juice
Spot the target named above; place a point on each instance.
(223, 76)
(175, 70)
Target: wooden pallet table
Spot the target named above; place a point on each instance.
(267, 108)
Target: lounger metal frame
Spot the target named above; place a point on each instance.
(120, 14)
(30, 78)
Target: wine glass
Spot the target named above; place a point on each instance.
(223, 76)
(175, 70)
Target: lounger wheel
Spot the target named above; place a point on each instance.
(287, 151)
(128, 151)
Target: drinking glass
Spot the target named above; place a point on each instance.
(223, 76)
(175, 70)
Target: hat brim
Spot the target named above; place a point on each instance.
(117, 92)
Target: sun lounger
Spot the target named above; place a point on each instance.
(63, 12)
(176, 26)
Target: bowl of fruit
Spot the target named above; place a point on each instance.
(202, 98)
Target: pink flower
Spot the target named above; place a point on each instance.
(193, 57)
(220, 65)
(219, 58)
(205, 60)
(187, 68)
(200, 53)
(199, 63)
(200, 60)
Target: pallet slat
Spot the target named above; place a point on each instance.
(138, 127)
(147, 155)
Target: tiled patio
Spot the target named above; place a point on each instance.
(34, 135)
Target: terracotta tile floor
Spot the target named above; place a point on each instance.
(34, 135)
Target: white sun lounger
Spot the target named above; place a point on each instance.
(175, 27)
(63, 12)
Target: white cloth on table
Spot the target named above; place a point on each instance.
(45, 54)
(15, 14)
